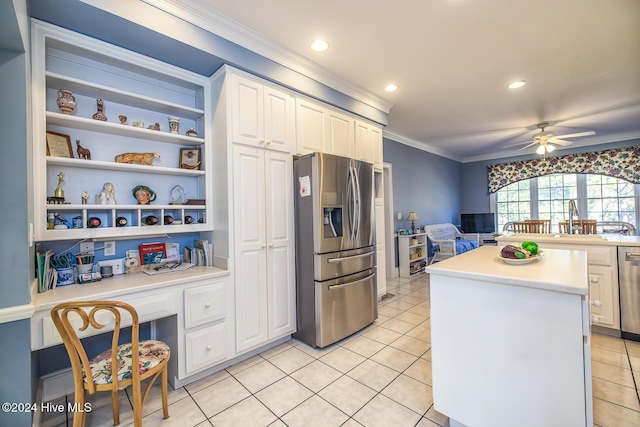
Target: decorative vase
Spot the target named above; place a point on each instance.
(100, 114)
(66, 101)
(173, 124)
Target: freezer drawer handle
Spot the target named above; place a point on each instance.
(347, 258)
(332, 287)
(633, 256)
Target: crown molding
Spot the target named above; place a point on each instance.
(420, 145)
(209, 19)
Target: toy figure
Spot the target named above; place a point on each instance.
(108, 195)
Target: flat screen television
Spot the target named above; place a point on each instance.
(478, 222)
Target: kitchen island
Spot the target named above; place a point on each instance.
(602, 261)
(511, 343)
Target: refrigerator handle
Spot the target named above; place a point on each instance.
(347, 258)
(357, 202)
(332, 287)
(352, 205)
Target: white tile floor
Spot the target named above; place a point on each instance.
(378, 377)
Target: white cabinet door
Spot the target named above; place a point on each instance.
(376, 140)
(264, 265)
(601, 296)
(340, 133)
(280, 244)
(310, 127)
(261, 115)
(365, 141)
(279, 120)
(250, 252)
(247, 111)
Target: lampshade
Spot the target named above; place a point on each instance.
(413, 217)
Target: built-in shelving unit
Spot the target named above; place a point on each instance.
(143, 90)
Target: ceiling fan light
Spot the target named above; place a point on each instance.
(516, 85)
(540, 150)
(550, 148)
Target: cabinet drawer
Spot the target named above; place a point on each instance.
(205, 347)
(204, 304)
(601, 255)
(148, 308)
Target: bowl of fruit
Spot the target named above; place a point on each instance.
(526, 253)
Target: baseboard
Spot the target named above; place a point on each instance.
(56, 385)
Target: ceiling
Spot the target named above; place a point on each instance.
(453, 59)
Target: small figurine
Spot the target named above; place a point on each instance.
(123, 120)
(154, 127)
(59, 192)
(83, 153)
(192, 133)
(142, 158)
(178, 196)
(143, 194)
(108, 195)
(85, 197)
(99, 115)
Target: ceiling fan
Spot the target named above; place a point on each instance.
(546, 138)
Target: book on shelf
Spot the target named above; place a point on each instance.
(152, 253)
(200, 254)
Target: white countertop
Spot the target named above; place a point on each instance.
(123, 284)
(576, 239)
(558, 270)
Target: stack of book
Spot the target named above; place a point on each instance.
(200, 254)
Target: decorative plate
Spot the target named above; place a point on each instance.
(518, 261)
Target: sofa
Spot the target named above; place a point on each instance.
(447, 241)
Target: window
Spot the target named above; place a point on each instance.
(598, 197)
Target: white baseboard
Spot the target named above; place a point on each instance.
(56, 385)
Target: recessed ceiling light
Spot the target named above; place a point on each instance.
(516, 85)
(319, 45)
(391, 88)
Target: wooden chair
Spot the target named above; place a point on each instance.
(584, 226)
(520, 227)
(538, 225)
(110, 370)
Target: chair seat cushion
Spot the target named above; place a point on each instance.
(462, 246)
(152, 353)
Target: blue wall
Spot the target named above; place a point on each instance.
(425, 183)
(475, 183)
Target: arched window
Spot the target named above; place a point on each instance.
(599, 197)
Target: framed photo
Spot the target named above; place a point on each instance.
(190, 158)
(59, 145)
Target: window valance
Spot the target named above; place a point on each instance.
(620, 163)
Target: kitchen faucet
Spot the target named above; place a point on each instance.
(573, 210)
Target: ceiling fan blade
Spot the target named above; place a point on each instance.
(527, 146)
(575, 135)
(517, 143)
(561, 142)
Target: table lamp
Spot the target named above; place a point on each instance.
(413, 217)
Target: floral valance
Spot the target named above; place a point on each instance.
(621, 163)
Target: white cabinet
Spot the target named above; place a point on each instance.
(264, 254)
(262, 116)
(208, 326)
(112, 89)
(322, 129)
(412, 250)
(368, 143)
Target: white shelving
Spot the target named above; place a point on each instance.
(131, 85)
(412, 250)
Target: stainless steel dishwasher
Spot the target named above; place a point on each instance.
(629, 279)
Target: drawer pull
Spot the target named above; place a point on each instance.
(596, 303)
(207, 304)
(594, 279)
(209, 347)
(594, 319)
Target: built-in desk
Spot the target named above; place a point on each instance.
(192, 311)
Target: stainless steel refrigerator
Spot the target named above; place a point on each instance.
(335, 248)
